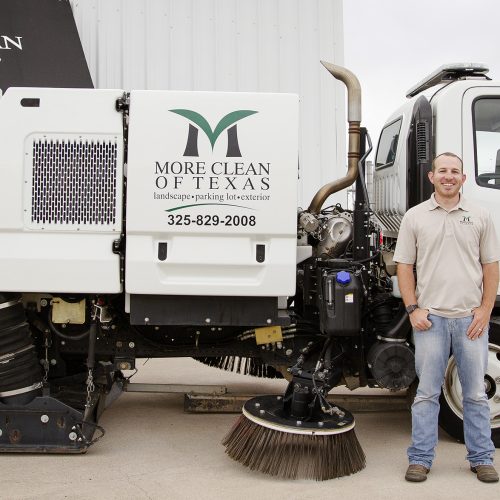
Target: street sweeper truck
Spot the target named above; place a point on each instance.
(154, 224)
(159, 223)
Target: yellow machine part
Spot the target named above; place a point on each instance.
(68, 312)
(268, 335)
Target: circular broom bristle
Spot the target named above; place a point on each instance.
(292, 455)
(240, 364)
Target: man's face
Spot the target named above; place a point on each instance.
(447, 176)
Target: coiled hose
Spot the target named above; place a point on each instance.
(20, 372)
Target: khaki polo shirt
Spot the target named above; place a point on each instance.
(448, 249)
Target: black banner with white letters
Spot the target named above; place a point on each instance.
(40, 46)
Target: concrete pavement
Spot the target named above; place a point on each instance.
(153, 450)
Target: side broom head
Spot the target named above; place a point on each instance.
(266, 440)
(240, 364)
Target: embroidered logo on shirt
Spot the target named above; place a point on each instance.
(466, 220)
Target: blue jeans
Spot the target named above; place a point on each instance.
(432, 350)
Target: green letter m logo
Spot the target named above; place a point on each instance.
(227, 123)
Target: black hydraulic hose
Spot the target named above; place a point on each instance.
(65, 336)
(92, 332)
(325, 347)
(361, 261)
(303, 327)
(362, 171)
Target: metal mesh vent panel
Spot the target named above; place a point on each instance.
(422, 142)
(74, 182)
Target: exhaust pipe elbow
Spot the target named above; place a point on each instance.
(354, 118)
(353, 89)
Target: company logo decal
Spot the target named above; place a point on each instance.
(466, 219)
(9, 43)
(181, 207)
(227, 123)
(200, 188)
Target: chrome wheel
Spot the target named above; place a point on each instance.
(452, 389)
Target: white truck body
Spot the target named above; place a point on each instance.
(62, 168)
(457, 112)
(70, 145)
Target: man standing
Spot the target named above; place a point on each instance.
(456, 252)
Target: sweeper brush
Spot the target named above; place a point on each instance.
(266, 440)
(300, 434)
(243, 365)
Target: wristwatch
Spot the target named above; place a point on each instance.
(411, 308)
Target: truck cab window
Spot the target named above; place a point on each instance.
(387, 145)
(486, 112)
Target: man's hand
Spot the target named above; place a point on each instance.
(483, 312)
(406, 278)
(479, 323)
(419, 321)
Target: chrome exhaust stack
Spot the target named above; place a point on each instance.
(354, 118)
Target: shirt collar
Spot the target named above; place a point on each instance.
(432, 203)
(462, 203)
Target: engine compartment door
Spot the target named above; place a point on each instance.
(212, 193)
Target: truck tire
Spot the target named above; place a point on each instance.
(451, 413)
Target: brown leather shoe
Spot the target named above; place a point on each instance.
(485, 473)
(416, 473)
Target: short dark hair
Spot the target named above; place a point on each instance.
(451, 155)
